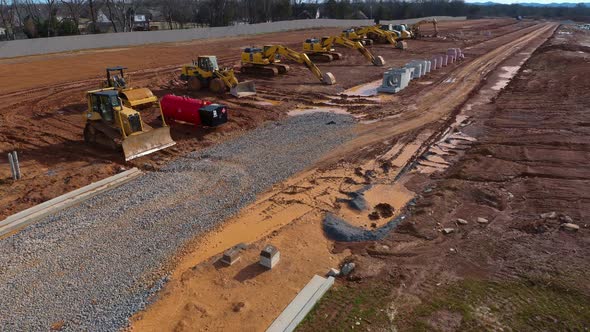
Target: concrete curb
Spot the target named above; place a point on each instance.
(30, 215)
(301, 305)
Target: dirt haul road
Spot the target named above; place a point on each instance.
(513, 261)
(202, 292)
(42, 98)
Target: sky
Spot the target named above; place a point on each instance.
(524, 1)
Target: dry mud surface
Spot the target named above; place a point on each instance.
(390, 154)
(42, 99)
(526, 173)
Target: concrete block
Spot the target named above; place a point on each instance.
(418, 68)
(231, 256)
(435, 62)
(428, 65)
(269, 256)
(452, 59)
(452, 52)
(394, 80)
(444, 60)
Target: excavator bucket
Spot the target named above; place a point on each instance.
(328, 78)
(147, 142)
(379, 61)
(243, 89)
(138, 97)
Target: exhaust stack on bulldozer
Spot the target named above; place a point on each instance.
(112, 124)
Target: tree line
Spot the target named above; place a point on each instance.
(47, 18)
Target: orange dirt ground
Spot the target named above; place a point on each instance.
(203, 295)
(42, 98)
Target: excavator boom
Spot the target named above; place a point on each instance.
(377, 61)
(302, 58)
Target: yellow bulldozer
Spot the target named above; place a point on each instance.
(112, 124)
(321, 50)
(205, 73)
(266, 61)
(132, 97)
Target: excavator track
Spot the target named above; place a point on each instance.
(282, 68)
(321, 57)
(336, 55)
(268, 71)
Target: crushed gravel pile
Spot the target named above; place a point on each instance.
(94, 265)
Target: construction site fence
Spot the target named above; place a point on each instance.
(16, 48)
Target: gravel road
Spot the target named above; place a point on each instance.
(92, 266)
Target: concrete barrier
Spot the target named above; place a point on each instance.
(37, 212)
(301, 304)
(15, 48)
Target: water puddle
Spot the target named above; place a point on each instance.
(319, 109)
(505, 76)
(266, 102)
(364, 90)
(392, 197)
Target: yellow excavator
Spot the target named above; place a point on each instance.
(415, 28)
(321, 49)
(266, 61)
(377, 35)
(404, 31)
(351, 34)
(205, 72)
(132, 97)
(112, 124)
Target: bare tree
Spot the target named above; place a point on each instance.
(7, 15)
(75, 8)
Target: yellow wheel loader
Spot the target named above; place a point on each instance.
(205, 72)
(266, 61)
(321, 49)
(132, 97)
(112, 124)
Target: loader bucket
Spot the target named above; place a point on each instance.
(137, 97)
(243, 89)
(144, 143)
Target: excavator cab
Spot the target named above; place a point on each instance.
(207, 63)
(140, 97)
(110, 123)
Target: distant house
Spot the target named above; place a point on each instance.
(141, 23)
(2, 32)
(358, 15)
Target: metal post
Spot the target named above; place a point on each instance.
(16, 165)
(12, 169)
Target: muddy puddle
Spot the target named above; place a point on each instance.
(319, 109)
(364, 90)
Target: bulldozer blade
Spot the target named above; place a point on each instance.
(147, 142)
(243, 89)
(140, 96)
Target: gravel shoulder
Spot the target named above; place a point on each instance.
(92, 266)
